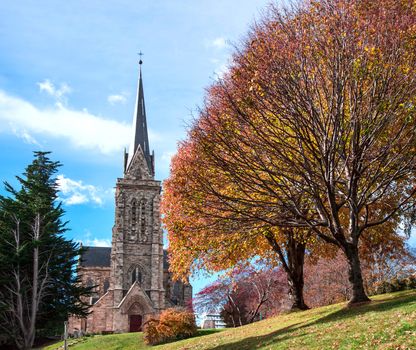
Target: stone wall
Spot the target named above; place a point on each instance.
(96, 276)
(101, 317)
(177, 293)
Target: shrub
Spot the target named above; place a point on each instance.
(173, 324)
(151, 333)
(396, 285)
(411, 282)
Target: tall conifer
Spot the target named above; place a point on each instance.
(38, 283)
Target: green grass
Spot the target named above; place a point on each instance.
(126, 341)
(388, 322)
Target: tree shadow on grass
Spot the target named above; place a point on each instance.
(200, 333)
(254, 342)
(379, 305)
(203, 332)
(343, 314)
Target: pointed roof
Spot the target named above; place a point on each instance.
(136, 295)
(140, 135)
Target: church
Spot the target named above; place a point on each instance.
(132, 279)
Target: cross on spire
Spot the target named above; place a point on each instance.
(140, 54)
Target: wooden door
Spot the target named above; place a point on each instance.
(135, 323)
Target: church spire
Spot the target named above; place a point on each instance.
(140, 136)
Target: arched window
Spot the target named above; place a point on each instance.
(133, 214)
(143, 217)
(136, 275)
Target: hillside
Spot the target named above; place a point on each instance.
(389, 322)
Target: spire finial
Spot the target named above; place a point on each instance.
(140, 54)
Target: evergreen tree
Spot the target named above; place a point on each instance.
(38, 283)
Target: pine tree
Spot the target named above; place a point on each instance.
(38, 283)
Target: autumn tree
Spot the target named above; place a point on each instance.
(352, 119)
(38, 284)
(220, 297)
(266, 290)
(315, 120)
(244, 295)
(215, 223)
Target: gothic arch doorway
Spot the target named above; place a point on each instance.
(135, 323)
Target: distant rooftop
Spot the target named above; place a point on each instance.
(96, 256)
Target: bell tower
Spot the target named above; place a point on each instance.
(137, 240)
(132, 279)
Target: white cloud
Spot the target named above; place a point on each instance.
(220, 59)
(81, 128)
(29, 138)
(164, 161)
(74, 192)
(76, 198)
(47, 86)
(97, 242)
(26, 137)
(221, 70)
(58, 93)
(167, 156)
(114, 99)
(218, 43)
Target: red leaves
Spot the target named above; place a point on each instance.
(245, 295)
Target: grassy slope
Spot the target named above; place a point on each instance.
(389, 322)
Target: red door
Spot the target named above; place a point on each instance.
(135, 323)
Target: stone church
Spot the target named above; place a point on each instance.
(131, 279)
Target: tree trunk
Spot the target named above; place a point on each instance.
(296, 260)
(355, 275)
(231, 315)
(292, 264)
(255, 312)
(29, 331)
(232, 318)
(296, 294)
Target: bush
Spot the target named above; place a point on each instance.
(411, 282)
(396, 285)
(151, 333)
(173, 324)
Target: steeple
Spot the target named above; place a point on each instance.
(140, 136)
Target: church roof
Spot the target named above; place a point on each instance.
(140, 135)
(96, 257)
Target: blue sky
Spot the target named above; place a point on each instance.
(68, 75)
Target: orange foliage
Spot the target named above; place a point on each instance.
(173, 324)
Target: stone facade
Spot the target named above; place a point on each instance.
(132, 278)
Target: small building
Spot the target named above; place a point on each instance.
(212, 320)
(132, 281)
